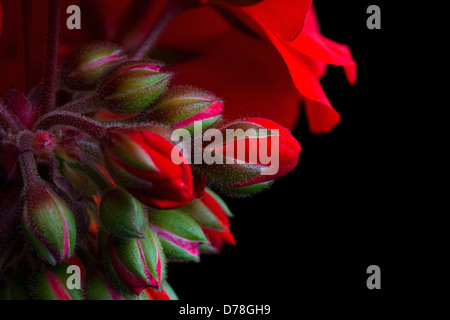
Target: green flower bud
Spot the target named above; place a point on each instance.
(52, 284)
(179, 234)
(132, 86)
(89, 64)
(122, 214)
(48, 224)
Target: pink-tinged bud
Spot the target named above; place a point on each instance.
(43, 142)
(166, 293)
(132, 86)
(139, 160)
(181, 107)
(138, 264)
(254, 152)
(52, 284)
(211, 213)
(179, 234)
(25, 110)
(89, 64)
(48, 224)
(99, 287)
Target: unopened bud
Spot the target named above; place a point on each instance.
(122, 214)
(89, 64)
(48, 224)
(180, 107)
(132, 86)
(180, 235)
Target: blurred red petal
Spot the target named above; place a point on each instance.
(246, 72)
(193, 26)
(286, 19)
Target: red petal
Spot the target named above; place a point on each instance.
(246, 72)
(286, 18)
(315, 46)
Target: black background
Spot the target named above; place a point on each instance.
(313, 235)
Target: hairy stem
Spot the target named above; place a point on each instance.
(26, 159)
(169, 13)
(82, 105)
(51, 59)
(65, 118)
(26, 25)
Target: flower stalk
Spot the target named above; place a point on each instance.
(169, 13)
(51, 59)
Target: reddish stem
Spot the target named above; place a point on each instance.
(51, 59)
(26, 25)
(65, 118)
(26, 159)
(172, 9)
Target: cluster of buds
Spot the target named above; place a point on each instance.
(99, 189)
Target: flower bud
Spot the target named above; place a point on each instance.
(122, 214)
(132, 86)
(48, 224)
(179, 234)
(99, 287)
(211, 213)
(180, 107)
(254, 153)
(139, 160)
(166, 293)
(138, 264)
(89, 64)
(43, 142)
(53, 284)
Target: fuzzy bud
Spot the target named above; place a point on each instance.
(43, 142)
(211, 213)
(254, 153)
(139, 160)
(179, 234)
(122, 214)
(89, 64)
(48, 224)
(137, 264)
(132, 86)
(180, 107)
(99, 287)
(52, 284)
